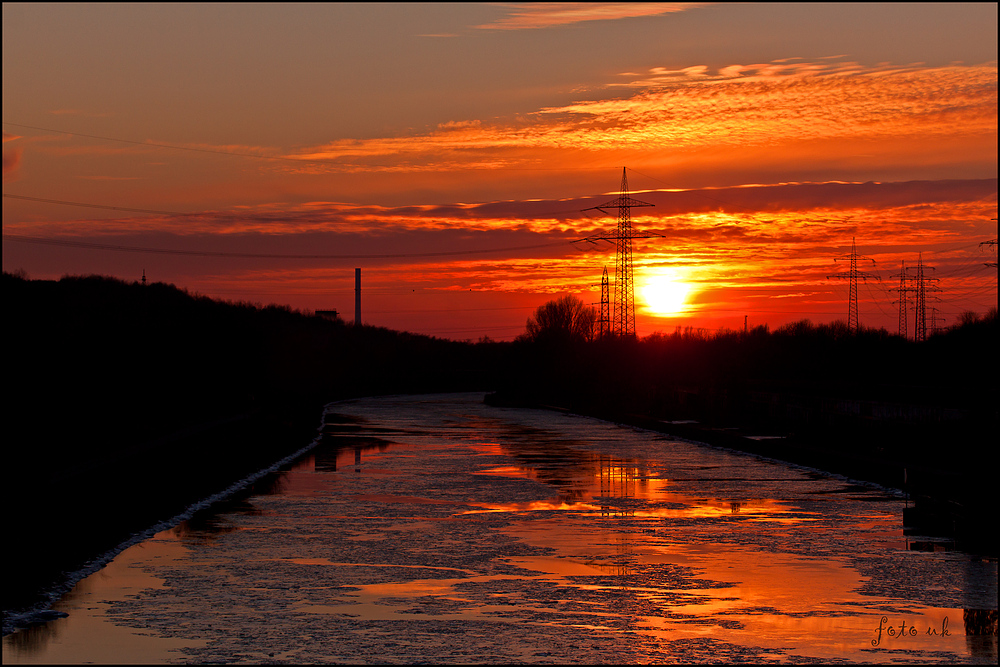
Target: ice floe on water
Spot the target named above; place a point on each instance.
(440, 529)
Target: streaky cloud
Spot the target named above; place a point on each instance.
(817, 113)
(794, 211)
(530, 16)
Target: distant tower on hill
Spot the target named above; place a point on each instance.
(144, 276)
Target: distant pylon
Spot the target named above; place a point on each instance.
(853, 317)
(904, 300)
(920, 321)
(925, 284)
(935, 320)
(604, 320)
(623, 319)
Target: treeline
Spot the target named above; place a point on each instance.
(557, 364)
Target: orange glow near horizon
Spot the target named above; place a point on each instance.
(761, 173)
(710, 270)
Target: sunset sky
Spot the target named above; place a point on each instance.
(261, 152)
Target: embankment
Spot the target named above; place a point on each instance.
(58, 517)
(128, 403)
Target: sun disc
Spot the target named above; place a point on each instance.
(664, 295)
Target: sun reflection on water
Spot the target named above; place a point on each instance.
(619, 487)
(442, 544)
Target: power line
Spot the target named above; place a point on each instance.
(154, 144)
(701, 192)
(249, 255)
(448, 310)
(213, 214)
(875, 300)
(100, 206)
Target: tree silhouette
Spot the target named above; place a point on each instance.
(562, 320)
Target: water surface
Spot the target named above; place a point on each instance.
(440, 529)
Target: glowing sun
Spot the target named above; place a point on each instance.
(665, 295)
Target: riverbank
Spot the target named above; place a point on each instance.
(62, 517)
(131, 402)
(951, 494)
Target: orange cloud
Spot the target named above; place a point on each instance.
(781, 103)
(705, 215)
(549, 14)
(796, 115)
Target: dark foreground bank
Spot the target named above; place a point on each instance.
(66, 516)
(129, 403)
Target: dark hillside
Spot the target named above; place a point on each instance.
(129, 402)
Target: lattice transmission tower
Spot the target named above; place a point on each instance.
(936, 321)
(604, 320)
(604, 314)
(853, 316)
(623, 317)
(924, 284)
(904, 300)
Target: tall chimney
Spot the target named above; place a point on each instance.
(357, 297)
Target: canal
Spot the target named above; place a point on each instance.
(440, 529)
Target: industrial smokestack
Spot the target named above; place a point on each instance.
(357, 297)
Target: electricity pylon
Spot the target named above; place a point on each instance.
(935, 320)
(623, 319)
(603, 315)
(920, 306)
(904, 300)
(604, 320)
(853, 317)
